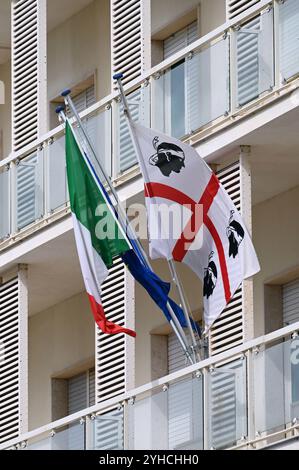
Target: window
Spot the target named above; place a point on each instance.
(83, 95)
(81, 391)
(180, 78)
(72, 394)
(290, 302)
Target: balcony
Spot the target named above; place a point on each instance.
(217, 81)
(245, 398)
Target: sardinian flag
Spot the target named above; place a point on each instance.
(207, 232)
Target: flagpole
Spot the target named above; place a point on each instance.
(118, 77)
(120, 211)
(174, 322)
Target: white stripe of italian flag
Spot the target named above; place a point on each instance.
(95, 254)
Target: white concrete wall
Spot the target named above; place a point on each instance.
(61, 340)
(5, 111)
(212, 15)
(165, 12)
(78, 48)
(275, 235)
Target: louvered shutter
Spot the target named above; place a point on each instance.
(227, 404)
(130, 37)
(81, 394)
(109, 431)
(236, 7)
(255, 72)
(288, 38)
(228, 330)
(85, 99)
(4, 197)
(114, 356)
(184, 421)
(29, 189)
(81, 391)
(91, 387)
(176, 356)
(110, 349)
(82, 101)
(77, 393)
(290, 297)
(29, 71)
(290, 309)
(13, 361)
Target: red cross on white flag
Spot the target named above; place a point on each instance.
(213, 240)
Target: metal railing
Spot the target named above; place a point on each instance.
(243, 398)
(244, 64)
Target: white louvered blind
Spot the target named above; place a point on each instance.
(236, 7)
(228, 330)
(288, 38)
(177, 41)
(248, 61)
(29, 190)
(130, 37)
(28, 71)
(254, 56)
(84, 99)
(290, 297)
(9, 361)
(109, 431)
(81, 391)
(110, 349)
(184, 421)
(176, 357)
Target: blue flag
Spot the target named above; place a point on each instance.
(155, 287)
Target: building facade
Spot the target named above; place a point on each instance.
(223, 76)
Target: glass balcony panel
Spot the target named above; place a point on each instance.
(108, 431)
(71, 438)
(227, 405)
(288, 38)
(194, 92)
(29, 189)
(276, 378)
(43, 444)
(4, 204)
(58, 193)
(254, 58)
(139, 102)
(171, 419)
(98, 127)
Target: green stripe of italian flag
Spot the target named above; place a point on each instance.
(91, 214)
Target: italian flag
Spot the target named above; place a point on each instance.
(89, 208)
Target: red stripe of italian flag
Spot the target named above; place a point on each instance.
(89, 208)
